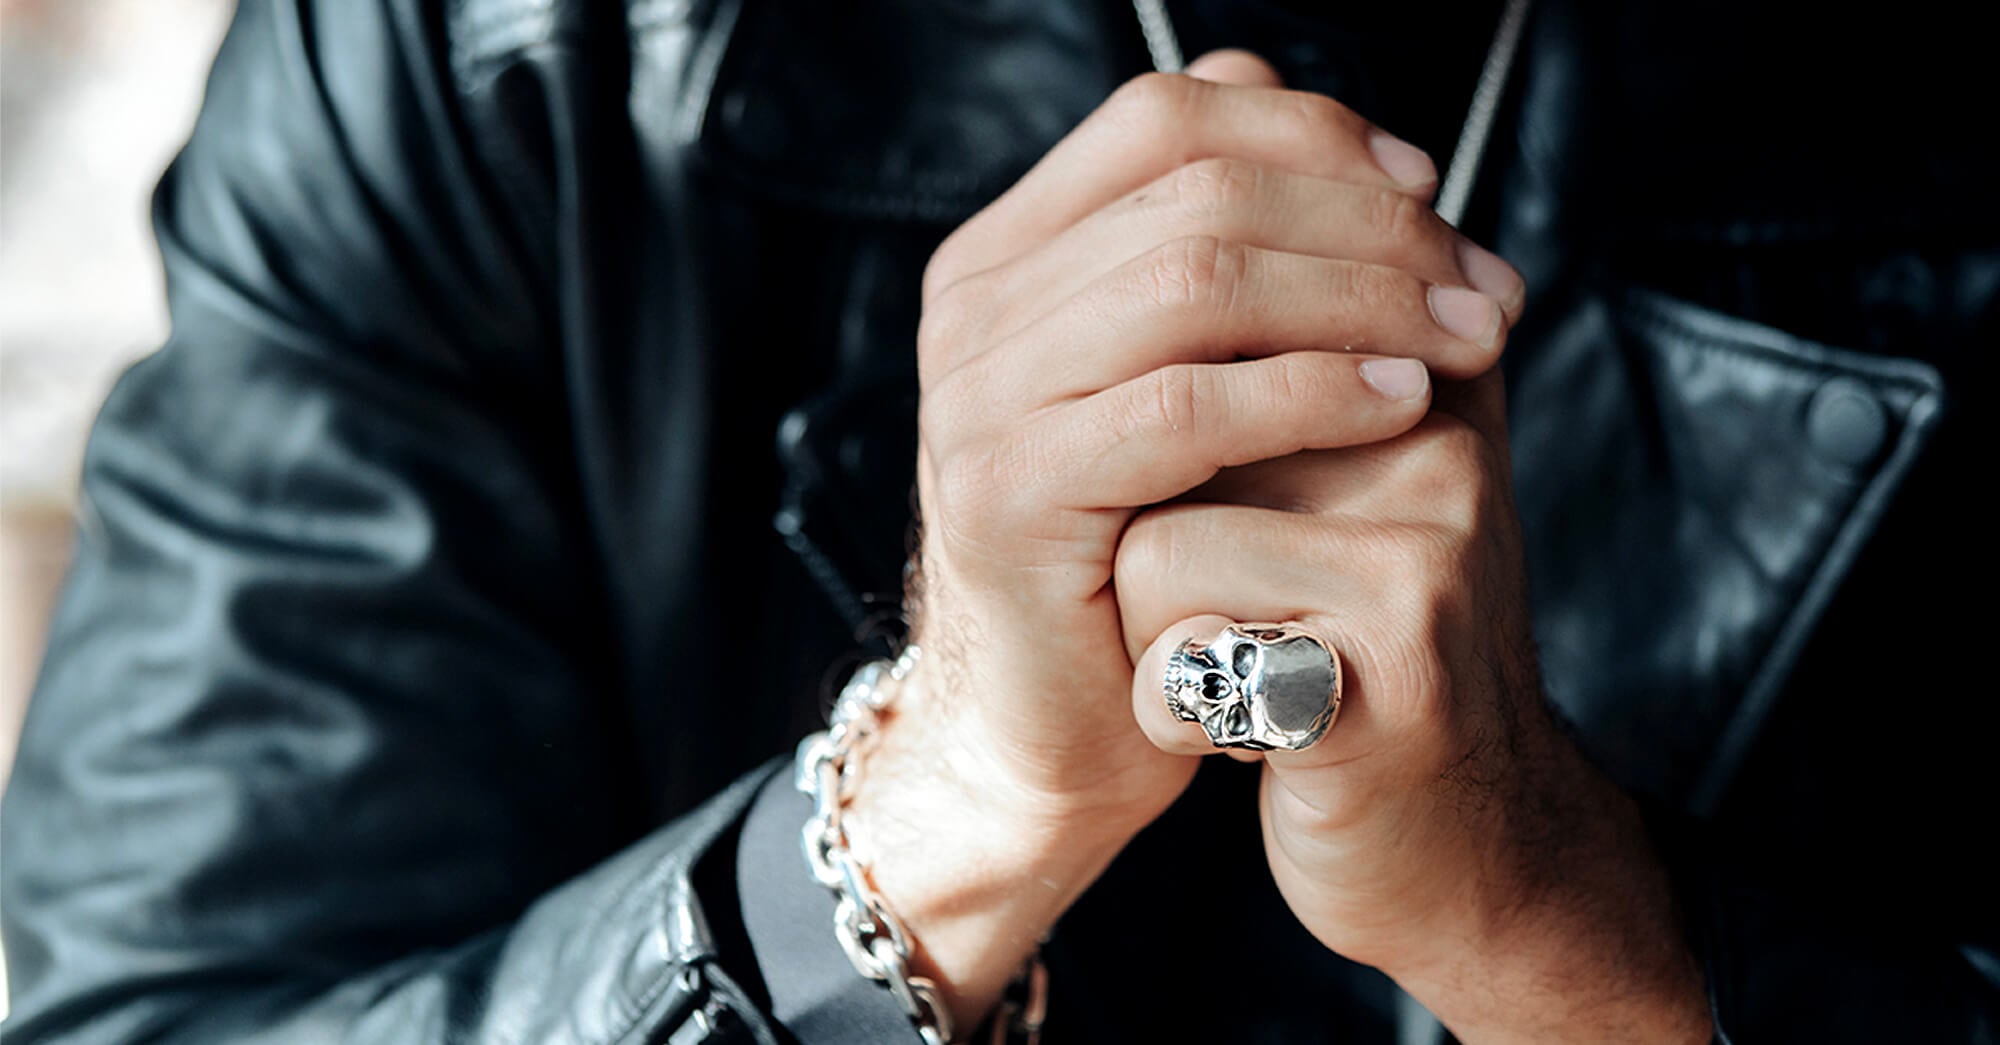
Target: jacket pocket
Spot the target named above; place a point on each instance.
(1693, 488)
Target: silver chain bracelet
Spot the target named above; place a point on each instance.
(828, 770)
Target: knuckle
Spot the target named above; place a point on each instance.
(968, 486)
(1306, 377)
(1152, 100)
(944, 267)
(1464, 508)
(950, 408)
(1215, 188)
(1448, 473)
(1182, 398)
(1401, 220)
(1198, 271)
(934, 334)
(1368, 289)
(1453, 448)
(1325, 120)
(1302, 386)
(935, 416)
(946, 323)
(1149, 551)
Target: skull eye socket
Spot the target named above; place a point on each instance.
(1243, 660)
(1215, 687)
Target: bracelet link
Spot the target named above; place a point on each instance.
(827, 769)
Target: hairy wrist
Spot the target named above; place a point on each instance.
(977, 865)
(1575, 933)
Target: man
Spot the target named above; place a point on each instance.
(424, 602)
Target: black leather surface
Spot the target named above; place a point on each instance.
(418, 619)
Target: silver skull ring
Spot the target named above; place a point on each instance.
(1257, 686)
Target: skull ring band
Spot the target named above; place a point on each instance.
(1257, 686)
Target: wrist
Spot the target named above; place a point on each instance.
(977, 864)
(945, 768)
(1578, 939)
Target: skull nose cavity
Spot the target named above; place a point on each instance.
(1214, 687)
(1244, 659)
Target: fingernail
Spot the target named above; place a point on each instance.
(1490, 274)
(1467, 314)
(1407, 164)
(1402, 380)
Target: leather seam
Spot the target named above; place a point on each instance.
(736, 800)
(1911, 375)
(1764, 689)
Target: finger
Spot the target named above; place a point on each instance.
(1181, 561)
(1162, 121)
(1442, 473)
(1162, 434)
(1237, 66)
(1303, 483)
(1240, 202)
(1202, 300)
(1178, 564)
(1177, 736)
(1149, 707)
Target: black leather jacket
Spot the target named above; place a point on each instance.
(428, 625)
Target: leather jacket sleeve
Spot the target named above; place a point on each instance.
(318, 750)
(310, 758)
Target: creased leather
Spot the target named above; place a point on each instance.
(429, 625)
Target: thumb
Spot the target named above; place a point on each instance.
(1235, 66)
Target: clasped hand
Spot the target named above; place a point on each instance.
(1182, 374)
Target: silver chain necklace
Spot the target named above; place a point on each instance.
(1456, 191)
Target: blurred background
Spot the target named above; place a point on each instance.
(95, 98)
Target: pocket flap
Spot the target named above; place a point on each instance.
(1693, 487)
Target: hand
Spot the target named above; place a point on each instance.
(1444, 830)
(1201, 275)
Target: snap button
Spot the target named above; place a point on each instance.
(1846, 425)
